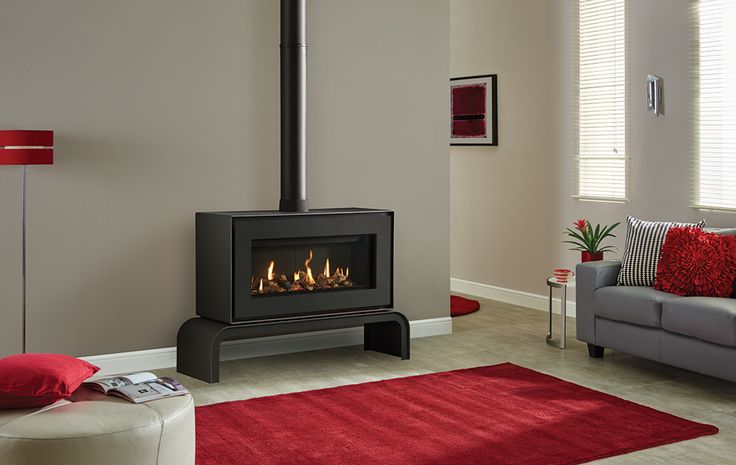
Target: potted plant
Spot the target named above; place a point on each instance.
(588, 240)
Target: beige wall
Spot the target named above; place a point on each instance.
(503, 220)
(660, 146)
(164, 108)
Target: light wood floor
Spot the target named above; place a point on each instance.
(503, 333)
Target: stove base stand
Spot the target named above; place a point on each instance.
(199, 339)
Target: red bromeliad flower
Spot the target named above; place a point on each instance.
(587, 238)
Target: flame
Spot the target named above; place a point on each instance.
(274, 284)
(310, 279)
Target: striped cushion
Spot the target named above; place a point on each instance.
(644, 241)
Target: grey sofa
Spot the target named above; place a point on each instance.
(695, 333)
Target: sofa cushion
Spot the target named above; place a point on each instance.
(643, 244)
(725, 232)
(710, 319)
(696, 263)
(633, 304)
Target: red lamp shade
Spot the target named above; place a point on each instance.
(24, 147)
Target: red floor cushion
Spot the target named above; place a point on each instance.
(462, 306)
(37, 380)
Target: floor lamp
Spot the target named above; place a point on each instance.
(23, 147)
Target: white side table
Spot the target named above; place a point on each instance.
(553, 283)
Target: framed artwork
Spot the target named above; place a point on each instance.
(474, 110)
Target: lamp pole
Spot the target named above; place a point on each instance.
(23, 202)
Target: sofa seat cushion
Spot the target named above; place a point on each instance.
(632, 304)
(710, 319)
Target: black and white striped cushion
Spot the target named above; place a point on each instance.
(643, 246)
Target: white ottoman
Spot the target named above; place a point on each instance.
(94, 429)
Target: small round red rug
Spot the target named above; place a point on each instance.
(462, 306)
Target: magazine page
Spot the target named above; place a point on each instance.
(151, 390)
(107, 384)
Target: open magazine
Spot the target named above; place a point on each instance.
(138, 387)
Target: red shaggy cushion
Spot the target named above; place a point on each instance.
(696, 263)
(37, 380)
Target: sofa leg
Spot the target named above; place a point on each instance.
(595, 351)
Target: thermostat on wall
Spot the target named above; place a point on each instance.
(655, 94)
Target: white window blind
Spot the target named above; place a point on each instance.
(715, 160)
(602, 100)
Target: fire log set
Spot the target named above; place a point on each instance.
(301, 280)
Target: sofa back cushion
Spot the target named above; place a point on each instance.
(706, 318)
(697, 263)
(643, 245)
(721, 231)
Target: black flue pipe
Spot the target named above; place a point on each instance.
(293, 106)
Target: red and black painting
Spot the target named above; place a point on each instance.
(473, 110)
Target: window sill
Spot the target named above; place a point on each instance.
(600, 199)
(714, 209)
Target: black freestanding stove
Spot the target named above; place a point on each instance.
(265, 273)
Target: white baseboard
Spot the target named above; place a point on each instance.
(127, 362)
(510, 296)
(145, 360)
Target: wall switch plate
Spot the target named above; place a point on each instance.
(655, 94)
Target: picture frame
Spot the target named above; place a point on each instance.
(474, 110)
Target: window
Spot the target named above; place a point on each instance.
(602, 100)
(715, 157)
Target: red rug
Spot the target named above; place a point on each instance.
(501, 414)
(462, 306)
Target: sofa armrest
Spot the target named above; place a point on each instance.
(589, 277)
